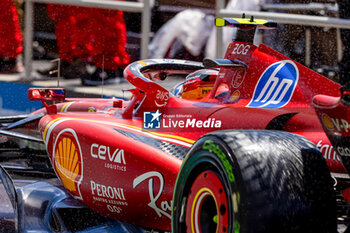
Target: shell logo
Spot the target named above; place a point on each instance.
(68, 162)
(327, 122)
(235, 96)
(91, 109)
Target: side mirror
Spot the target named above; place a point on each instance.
(47, 94)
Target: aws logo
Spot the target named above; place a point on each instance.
(276, 85)
(68, 161)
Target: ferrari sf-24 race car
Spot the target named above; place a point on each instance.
(236, 147)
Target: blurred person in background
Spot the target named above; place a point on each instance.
(191, 35)
(229, 33)
(92, 36)
(10, 38)
(66, 18)
(104, 34)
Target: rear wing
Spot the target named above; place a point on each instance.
(243, 23)
(246, 27)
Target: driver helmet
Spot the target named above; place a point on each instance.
(198, 84)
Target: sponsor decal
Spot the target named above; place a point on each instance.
(114, 209)
(343, 151)
(68, 161)
(114, 158)
(327, 122)
(238, 78)
(210, 146)
(221, 75)
(107, 191)
(235, 96)
(168, 60)
(108, 194)
(276, 85)
(328, 151)
(161, 98)
(206, 90)
(91, 109)
(340, 125)
(164, 209)
(153, 120)
(240, 49)
(335, 124)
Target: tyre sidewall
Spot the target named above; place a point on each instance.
(211, 153)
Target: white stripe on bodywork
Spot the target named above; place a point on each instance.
(67, 106)
(51, 127)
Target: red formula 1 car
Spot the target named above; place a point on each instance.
(236, 147)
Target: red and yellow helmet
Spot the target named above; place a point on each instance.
(198, 84)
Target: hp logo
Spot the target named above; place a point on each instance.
(276, 85)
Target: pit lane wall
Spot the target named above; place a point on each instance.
(14, 99)
(14, 94)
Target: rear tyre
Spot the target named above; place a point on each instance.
(254, 181)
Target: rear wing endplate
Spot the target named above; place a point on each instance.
(243, 23)
(246, 27)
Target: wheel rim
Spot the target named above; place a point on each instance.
(207, 207)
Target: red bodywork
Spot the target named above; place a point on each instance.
(333, 113)
(10, 31)
(107, 160)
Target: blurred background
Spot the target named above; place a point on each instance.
(325, 50)
(95, 43)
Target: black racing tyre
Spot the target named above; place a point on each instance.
(254, 181)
